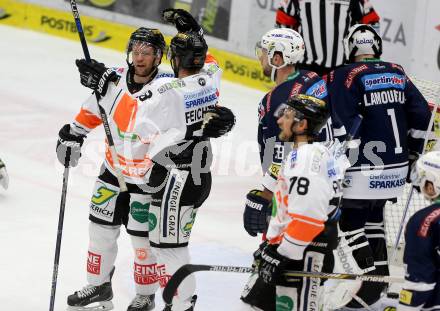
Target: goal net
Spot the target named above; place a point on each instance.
(394, 212)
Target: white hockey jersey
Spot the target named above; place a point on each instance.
(119, 105)
(307, 191)
(174, 109)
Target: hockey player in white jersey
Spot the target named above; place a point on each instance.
(168, 119)
(302, 231)
(4, 177)
(109, 207)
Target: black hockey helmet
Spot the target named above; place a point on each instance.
(190, 47)
(310, 108)
(150, 36)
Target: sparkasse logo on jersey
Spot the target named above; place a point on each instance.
(70, 26)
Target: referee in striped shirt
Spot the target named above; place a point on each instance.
(323, 24)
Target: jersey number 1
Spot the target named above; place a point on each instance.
(392, 115)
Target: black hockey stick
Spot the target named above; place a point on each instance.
(188, 269)
(111, 143)
(59, 232)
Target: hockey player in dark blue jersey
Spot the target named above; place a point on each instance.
(421, 290)
(395, 120)
(278, 52)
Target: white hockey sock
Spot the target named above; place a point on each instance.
(169, 260)
(102, 252)
(145, 266)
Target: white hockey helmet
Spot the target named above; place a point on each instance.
(362, 39)
(427, 168)
(285, 41)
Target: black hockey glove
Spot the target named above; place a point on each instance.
(182, 19)
(256, 213)
(68, 147)
(412, 159)
(272, 265)
(95, 75)
(217, 121)
(258, 252)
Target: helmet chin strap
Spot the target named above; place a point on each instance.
(174, 67)
(273, 73)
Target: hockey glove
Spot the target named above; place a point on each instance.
(68, 147)
(182, 19)
(412, 159)
(217, 121)
(4, 178)
(273, 265)
(256, 213)
(95, 75)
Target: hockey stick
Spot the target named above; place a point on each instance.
(188, 269)
(178, 277)
(408, 200)
(111, 143)
(59, 232)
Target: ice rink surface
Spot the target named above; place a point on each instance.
(39, 92)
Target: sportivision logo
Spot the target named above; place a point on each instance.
(70, 26)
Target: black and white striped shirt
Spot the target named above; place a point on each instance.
(323, 25)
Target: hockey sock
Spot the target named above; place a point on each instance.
(102, 252)
(145, 266)
(169, 260)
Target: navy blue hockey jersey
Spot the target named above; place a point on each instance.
(395, 120)
(271, 149)
(422, 260)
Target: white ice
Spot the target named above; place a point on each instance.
(39, 92)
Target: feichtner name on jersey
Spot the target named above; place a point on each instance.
(197, 103)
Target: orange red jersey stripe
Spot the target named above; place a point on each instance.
(304, 228)
(88, 119)
(125, 113)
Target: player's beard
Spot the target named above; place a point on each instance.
(143, 71)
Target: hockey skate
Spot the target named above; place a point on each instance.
(92, 298)
(193, 302)
(142, 303)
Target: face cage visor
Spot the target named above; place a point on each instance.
(284, 108)
(142, 48)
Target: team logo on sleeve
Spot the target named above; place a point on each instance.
(318, 90)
